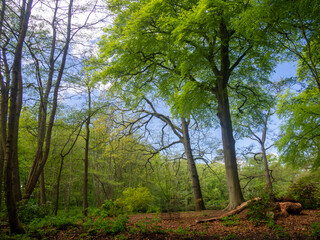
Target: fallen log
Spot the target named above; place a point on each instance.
(290, 208)
(232, 212)
(284, 209)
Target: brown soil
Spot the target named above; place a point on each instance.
(183, 226)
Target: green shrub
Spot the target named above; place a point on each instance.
(147, 225)
(29, 211)
(316, 229)
(107, 226)
(260, 211)
(49, 225)
(233, 220)
(134, 200)
(307, 193)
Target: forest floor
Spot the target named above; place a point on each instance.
(183, 226)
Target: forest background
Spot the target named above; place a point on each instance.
(144, 115)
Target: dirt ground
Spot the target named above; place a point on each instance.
(183, 226)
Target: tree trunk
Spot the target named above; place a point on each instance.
(86, 157)
(267, 171)
(235, 194)
(4, 98)
(41, 155)
(13, 119)
(56, 205)
(42, 189)
(197, 195)
(221, 93)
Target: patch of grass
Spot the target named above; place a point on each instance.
(147, 225)
(233, 220)
(50, 225)
(259, 211)
(230, 236)
(315, 229)
(107, 226)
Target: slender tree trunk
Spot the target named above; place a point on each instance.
(4, 98)
(267, 171)
(13, 118)
(56, 205)
(86, 157)
(264, 157)
(41, 156)
(197, 195)
(43, 199)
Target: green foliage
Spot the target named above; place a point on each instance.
(107, 226)
(108, 209)
(147, 226)
(230, 236)
(29, 211)
(50, 224)
(260, 210)
(316, 229)
(300, 130)
(278, 230)
(233, 220)
(134, 200)
(305, 192)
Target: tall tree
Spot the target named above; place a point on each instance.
(44, 127)
(295, 28)
(154, 41)
(86, 149)
(13, 120)
(184, 137)
(4, 85)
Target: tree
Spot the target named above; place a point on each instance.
(86, 150)
(53, 65)
(184, 137)
(253, 120)
(153, 42)
(44, 127)
(299, 144)
(297, 33)
(13, 120)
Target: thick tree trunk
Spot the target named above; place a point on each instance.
(197, 195)
(235, 194)
(221, 93)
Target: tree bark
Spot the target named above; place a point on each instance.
(4, 98)
(197, 195)
(264, 157)
(221, 93)
(56, 205)
(235, 194)
(86, 157)
(43, 199)
(41, 155)
(13, 119)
